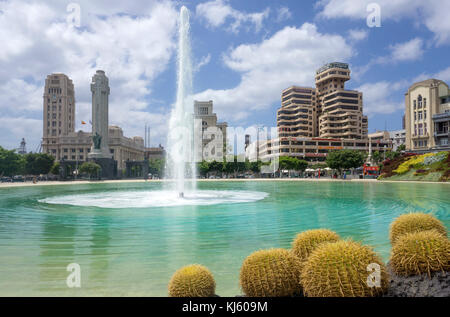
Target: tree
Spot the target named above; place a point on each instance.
(38, 163)
(401, 148)
(377, 157)
(203, 168)
(301, 165)
(292, 164)
(11, 163)
(345, 159)
(216, 167)
(55, 168)
(90, 168)
(156, 167)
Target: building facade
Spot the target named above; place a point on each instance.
(326, 111)
(203, 111)
(297, 116)
(397, 138)
(441, 123)
(313, 150)
(59, 108)
(424, 102)
(59, 137)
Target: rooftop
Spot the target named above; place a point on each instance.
(332, 65)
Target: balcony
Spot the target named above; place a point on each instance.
(441, 117)
(441, 133)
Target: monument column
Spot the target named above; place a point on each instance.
(100, 93)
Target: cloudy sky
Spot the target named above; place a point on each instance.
(245, 52)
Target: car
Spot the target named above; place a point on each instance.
(18, 179)
(6, 179)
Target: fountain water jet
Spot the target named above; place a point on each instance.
(180, 154)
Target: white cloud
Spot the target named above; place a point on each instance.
(217, 12)
(357, 34)
(289, 57)
(408, 51)
(283, 14)
(133, 43)
(432, 13)
(443, 75)
(400, 52)
(380, 97)
(203, 62)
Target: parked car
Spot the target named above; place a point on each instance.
(18, 179)
(6, 179)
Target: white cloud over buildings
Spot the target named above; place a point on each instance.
(289, 57)
(110, 37)
(219, 12)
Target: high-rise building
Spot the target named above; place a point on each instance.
(203, 110)
(327, 111)
(59, 137)
(59, 110)
(426, 103)
(340, 110)
(297, 115)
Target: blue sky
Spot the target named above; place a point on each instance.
(244, 51)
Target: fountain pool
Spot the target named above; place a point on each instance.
(127, 245)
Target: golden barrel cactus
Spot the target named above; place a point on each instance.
(421, 252)
(270, 273)
(344, 269)
(192, 281)
(308, 241)
(415, 222)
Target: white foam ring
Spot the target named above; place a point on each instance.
(164, 198)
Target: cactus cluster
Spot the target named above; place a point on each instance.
(320, 264)
(415, 222)
(421, 252)
(309, 240)
(341, 269)
(192, 281)
(270, 273)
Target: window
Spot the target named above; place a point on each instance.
(415, 105)
(424, 114)
(415, 116)
(424, 102)
(420, 115)
(65, 150)
(419, 102)
(420, 129)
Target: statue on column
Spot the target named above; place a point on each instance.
(100, 104)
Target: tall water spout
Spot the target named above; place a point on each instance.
(180, 154)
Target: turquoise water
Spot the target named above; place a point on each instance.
(134, 251)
